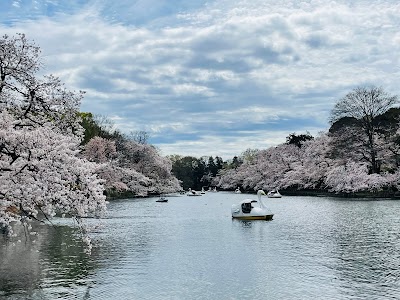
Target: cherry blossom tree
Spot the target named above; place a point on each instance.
(117, 180)
(265, 170)
(100, 150)
(270, 166)
(144, 158)
(354, 177)
(41, 171)
(123, 181)
(41, 175)
(19, 61)
(137, 168)
(314, 161)
(227, 179)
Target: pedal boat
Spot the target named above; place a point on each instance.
(251, 209)
(274, 194)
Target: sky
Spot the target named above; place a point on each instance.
(213, 78)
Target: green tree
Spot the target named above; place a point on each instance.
(298, 140)
(195, 172)
(212, 167)
(219, 162)
(90, 126)
(99, 126)
(199, 170)
(236, 162)
(183, 169)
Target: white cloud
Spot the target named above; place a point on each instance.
(221, 68)
(16, 4)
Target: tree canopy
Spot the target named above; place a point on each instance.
(57, 160)
(41, 169)
(298, 140)
(360, 153)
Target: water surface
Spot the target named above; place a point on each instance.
(190, 248)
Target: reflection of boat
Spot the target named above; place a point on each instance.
(162, 199)
(250, 209)
(193, 193)
(237, 191)
(274, 194)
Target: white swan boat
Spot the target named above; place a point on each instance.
(162, 199)
(251, 209)
(274, 194)
(238, 191)
(193, 193)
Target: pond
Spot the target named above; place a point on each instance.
(191, 248)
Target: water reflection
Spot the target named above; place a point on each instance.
(242, 223)
(50, 264)
(192, 249)
(17, 273)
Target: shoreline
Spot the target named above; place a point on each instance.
(286, 192)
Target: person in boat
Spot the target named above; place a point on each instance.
(246, 207)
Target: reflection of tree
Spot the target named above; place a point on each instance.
(53, 257)
(46, 265)
(65, 254)
(17, 268)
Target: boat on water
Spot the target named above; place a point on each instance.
(274, 194)
(202, 191)
(193, 193)
(252, 209)
(162, 199)
(238, 191)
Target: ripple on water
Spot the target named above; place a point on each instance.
(322, 248)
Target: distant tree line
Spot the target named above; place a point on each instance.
(359, 154)
(196, 173)
(205, 172)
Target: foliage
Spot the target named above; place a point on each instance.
(130, 167)
(196, 173)
(298, 140)
(44, 168)
(309, 167)
(41, 171)
(360, 153)
(98, 126)
(235, 163)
